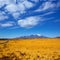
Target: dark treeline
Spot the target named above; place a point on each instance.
(3, 39)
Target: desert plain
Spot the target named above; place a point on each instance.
(30, 49)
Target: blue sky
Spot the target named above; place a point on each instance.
(26, 17)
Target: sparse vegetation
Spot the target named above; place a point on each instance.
(35, 49)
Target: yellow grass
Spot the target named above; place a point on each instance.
(30, 49)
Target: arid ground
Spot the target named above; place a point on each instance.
(30, 49)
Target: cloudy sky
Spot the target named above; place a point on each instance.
(26, 17)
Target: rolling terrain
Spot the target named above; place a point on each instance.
(30, 49)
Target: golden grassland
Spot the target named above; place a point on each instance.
(30, 49)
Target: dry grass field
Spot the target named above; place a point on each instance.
(30, 49)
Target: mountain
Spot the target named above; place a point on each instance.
(57, 37)
(34, 36)
(28, 36)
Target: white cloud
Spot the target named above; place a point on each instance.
(7, 24)
(17, 9)
(58, 4)
(7, 2)
(2, 3)
(35, 1)
(3, 16)
(11, 8)
(20, 8)
(48, 13)
(38, 34)
(28, 4)
(16, 15)
(46, 5)
(28, 22)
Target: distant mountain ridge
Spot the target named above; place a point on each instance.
(57, 37)
(33, 36)
(29, 36)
